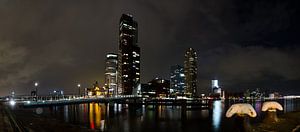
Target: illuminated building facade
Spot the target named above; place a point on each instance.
(217, 91)
(157, 88)
(111, 67)
(177, 78)
(96, 90)
(215, 87)
(190, 72)
(128, 57)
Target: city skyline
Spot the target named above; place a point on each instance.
(60, 45)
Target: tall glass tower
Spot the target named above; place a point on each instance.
(129, 56)
(190, 72)
(111, 66)
(177, 79)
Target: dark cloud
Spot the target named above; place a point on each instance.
(245, 44)
(252, 65)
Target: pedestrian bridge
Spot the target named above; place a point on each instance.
(31, 101)
(45, 101)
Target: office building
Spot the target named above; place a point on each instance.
(215, 87)
(128, 57)
(156, 88)
(177, 77)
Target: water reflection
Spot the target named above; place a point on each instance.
(257, 107)
(117, 117)
(288, 105)
(96, 112)
(82, 110)
(217, 115)
(66, 113)
(204, 113)
(91, 113)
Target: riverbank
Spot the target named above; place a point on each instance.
(289, 122)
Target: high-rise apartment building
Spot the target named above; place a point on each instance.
(190, 72)
(129, 56)
(111, 66)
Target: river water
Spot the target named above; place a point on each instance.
(124, 118)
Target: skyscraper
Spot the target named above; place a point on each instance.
(111, 66)
(129, 56)
(215, 88)
(190, 72)
(177, 78)
(214, 84)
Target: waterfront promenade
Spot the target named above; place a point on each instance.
(289, 122)
(5, 123)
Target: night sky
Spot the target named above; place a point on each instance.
(59, 43)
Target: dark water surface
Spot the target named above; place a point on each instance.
(124, 118)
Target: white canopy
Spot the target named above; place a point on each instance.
(241, 109)
(271, 106)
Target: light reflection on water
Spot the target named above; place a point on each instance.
(96, 119)
(66, 113)
(217, 114)
(116, 117)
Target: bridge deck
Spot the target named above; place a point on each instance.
(118, 100)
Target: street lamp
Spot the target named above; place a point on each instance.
(36, 84)
(78, 85)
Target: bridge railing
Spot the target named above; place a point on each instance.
(67, 97)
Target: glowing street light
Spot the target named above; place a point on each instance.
(12, 102)
(36, 84)
(78, 85)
